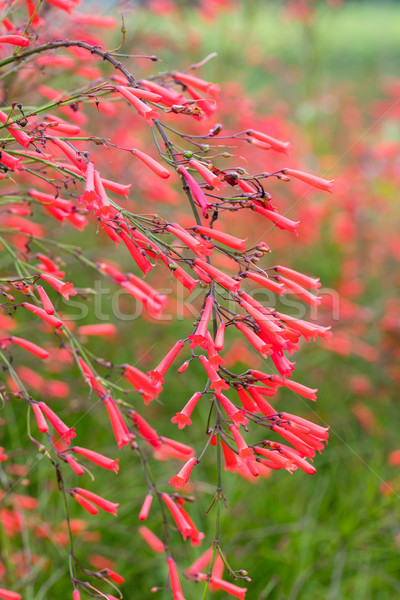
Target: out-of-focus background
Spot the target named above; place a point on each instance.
(326, 76)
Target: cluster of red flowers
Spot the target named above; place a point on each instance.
(52, 170)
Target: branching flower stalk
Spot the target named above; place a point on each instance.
(51, 172)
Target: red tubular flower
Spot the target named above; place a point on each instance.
(61, 126)
(305, 449)
(231, 460)
(296, 459)
(208, 176)
(224, 238)
(98, 459)
(47, 303)
(76, 595)
(114, 576)
(200, 247)
(198, 338)
(245, 399)
(220, 277)
(101, 329)
(196, 190)
(89, 194)
(88, 506)
(174, 580)
(204, 86)
(219, 338)
(64, 288)
(181, 448)
(181, 479)
(186, 280)
(217, 383)
(155, 166)
(279, 220)
(141, 261)
(277, 460)
(69, 152)
(40, 312)
(76, 467)
(301, 292)
(267, 326)
(305, 280)
(200, 563)
(214, 358)
(30, 347)
(299, 388)
(226, 586)
(245, 186)
(63, 431)
(318, 182)
(144, 512)
(245, 452)
(168, 95)
(41, 421)
(179, 519)
(10, 161)
(275, 144)
(144, 110)
(20, 136)
(305, 328)
(8, 595)
(264, 406)
(102, 503)
(268, 283)
(236, 415)
(158, 373)
(183, 418)
(141, 382)
(121, 433)
(149, 434)
(151, 539)
(257, 343)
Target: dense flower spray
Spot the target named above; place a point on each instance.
(53, 175)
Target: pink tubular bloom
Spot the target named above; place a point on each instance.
(89, 194)
(155, 166)
(299, 388)
(198, 338)
(247, 402)
(255, 341)
(47, 303)
(268, 283)
(236, 415)
(40, 312)
(15, 40)
(30, 347)
(116, 577)
(168, 95)
(98, 459)
(296, 459)
(76, 595)
(200, 563)
(20, 136)
(275, 144)
(222, 278)
(144, 110)
(144, 512)
(224, 238)
(183, 418)
(293, 439)
(88, 506)
(137, 254)
(301, 292)
(102, 503)
(299, 278)
(279, 220)
(10, 161)
(231, 460)
(181, 479)
(245, 452)
(196, 190)
(158, 373)
(100, 329)
(148, 433)
(199, 246)
(9, 595)
(264, 406)
(279, 461)
(318, 182)
(174, 580)
(179, 519)
(63, 431)
(69, 152)
(207, 175)
(217, 383)
(64, 288)
(41, 421)
(151, 539)
(316, 430)
(76, 467)
(120, 430)
(226, 586)
(141, 382)
(219, 338)
(204, 86)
